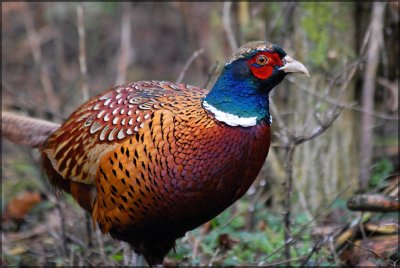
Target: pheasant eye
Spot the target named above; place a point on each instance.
(262, 60)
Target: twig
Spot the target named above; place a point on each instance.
(290, 140)
(289, 153)
(88, 223)
(227, 25)
(26, 103)
(82, 50)
(187, 64)
(213, 257)
(317, 246)
(195, 247)
(211, 74)
(101, 246)
(63, 229)
(125, 44)
(274, 264)
(76, 240)
(284, 132)
(350, 106)
(294, 237)
(333, 114)
(17, 237)
(333, 249)
(392, 88)
(372, 252)
(51, 99)
(126, 251)
(71, 256)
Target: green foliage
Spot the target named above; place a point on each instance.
(250, 247)
(10, 188)
(380, 171)
(322, 22)
(117, 257)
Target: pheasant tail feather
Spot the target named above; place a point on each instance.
(26, 130)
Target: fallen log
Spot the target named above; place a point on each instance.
(373, 202)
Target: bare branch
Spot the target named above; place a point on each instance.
(125, 44)
(26, 103)
(274, 264)
(349, 106)
(372, 252)
(317, 246)
(227, 25)
(211, 74)
(305, 226)
(393, 88)
(101, 245)
(51, 99)
(88, 224)
(187, 64)
(333, 114)
(82, 50)
(60, 209)
(287, 203)
(284, 132)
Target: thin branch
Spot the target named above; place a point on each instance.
(211, 74)
(82, 50)
(333, 250)
(27, 103)
(63, 229)
(187, 64)
(317, 246)
(274, 264)
(289, 153)
(88, 224)
(125, 44)
(349, 106)
(213, 257)
(284, 132)
(126, 252)
(101, 246)
(227, 25)
(34, 40)
(372, 252)
(305, 226)
(333, 114)
(392, 88)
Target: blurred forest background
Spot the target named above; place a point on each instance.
(336, 133)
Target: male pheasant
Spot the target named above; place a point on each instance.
(153, 160)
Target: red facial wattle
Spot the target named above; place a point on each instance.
(264, 71)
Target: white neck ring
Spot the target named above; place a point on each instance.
(230, 119)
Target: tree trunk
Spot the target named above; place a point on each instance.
(368, 91)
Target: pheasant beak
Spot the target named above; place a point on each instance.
(293, 66)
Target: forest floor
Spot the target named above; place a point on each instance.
(45, 230)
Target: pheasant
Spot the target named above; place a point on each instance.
(152, 160)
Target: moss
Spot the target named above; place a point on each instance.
(324, 25)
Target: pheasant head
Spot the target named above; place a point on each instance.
(240, 95)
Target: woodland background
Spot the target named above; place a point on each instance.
(336, 133)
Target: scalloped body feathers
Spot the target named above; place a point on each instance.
(150, 163)
(152, 160)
